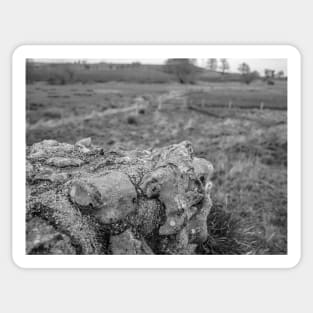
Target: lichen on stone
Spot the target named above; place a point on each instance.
(112, 196)
(82, 200)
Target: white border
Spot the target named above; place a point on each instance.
(156, 51)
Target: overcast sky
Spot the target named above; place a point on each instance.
(255, 64)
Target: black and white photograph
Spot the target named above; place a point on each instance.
(156, 156)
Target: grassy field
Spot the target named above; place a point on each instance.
(61, 74)
(247, 146)
(243, 96)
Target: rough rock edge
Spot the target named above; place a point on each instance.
(82, 200)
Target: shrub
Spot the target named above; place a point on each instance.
(52, 114)
(183, 69)
(229, 235)
(60, 77)
(132, 119)
(248, 78)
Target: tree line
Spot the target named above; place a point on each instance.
(185, 70)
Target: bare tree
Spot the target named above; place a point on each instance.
(212, 64)
(269, 76)
(224, 65)
(246, 75)
(244, 68)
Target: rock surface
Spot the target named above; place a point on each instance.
(82, 200)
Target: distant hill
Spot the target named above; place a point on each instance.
(212, 76)
(63, 73)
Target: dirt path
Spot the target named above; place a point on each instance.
(177, 94)
(75, 119)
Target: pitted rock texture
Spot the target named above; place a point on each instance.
(84, 200)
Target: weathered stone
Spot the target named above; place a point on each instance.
(42, 238)
(148, 217)
(137, 202)
(29, 170)
(84, 194)
(64, 162)
(51, 176)
(113, 196)
(166, 184)
(49, 148)
(197, 226)
(203, 169)
(86, 142)
(84, 145)
(55, 208)
(126, 243)
(170, 185)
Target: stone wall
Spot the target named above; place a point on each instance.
(84, 200)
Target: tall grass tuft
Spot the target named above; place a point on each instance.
(230, 235)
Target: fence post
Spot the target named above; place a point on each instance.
(160, 103)
(261, 105)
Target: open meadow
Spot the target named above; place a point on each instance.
(241, 129)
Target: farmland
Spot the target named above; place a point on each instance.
(241, 129)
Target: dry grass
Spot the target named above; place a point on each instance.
(248, 148)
